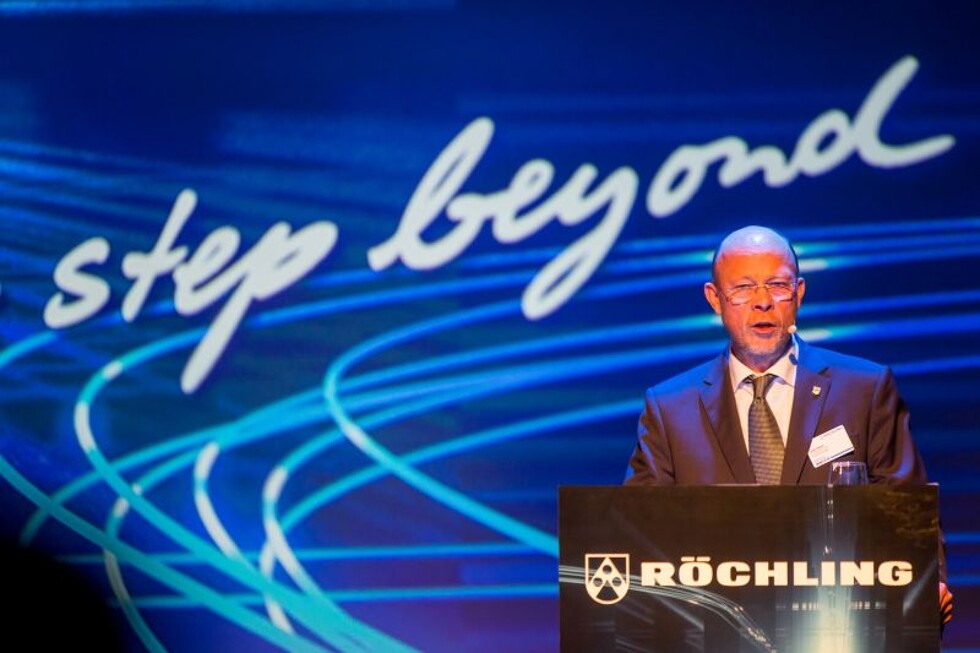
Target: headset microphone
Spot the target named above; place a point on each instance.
(791, 329)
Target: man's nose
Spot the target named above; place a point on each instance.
(762, 299)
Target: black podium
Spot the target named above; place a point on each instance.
(733, 569)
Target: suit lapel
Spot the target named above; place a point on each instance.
(812, 388)
(718, 400)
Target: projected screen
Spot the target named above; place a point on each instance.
(308, 309)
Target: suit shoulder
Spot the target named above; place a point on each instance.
(849, 363)
(692, 379)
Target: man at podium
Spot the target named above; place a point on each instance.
(772, 409)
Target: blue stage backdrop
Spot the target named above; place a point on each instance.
(308, 308)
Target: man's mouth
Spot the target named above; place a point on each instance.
(764, 327)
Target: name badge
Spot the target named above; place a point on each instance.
(830, 445)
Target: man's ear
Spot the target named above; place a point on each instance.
(800, 289)
(713, 296)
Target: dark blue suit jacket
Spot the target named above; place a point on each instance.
(689, 431)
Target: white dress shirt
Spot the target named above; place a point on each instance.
(779, 396)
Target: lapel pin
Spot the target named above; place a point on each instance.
(815, 390)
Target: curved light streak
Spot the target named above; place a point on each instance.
(182, 583)
(315, 616)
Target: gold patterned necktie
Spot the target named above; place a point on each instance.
(765, 444)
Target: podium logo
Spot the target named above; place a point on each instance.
(700, 571)
(607, 576)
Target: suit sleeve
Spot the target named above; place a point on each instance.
(651, 463)
(893, 457)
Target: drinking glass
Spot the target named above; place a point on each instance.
(848, 472)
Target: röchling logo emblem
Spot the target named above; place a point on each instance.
(607, 576)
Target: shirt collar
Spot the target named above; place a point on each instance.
(784, 369)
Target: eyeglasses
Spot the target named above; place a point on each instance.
(780, 291)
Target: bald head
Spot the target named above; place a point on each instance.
(754, 240)
(757, 290)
